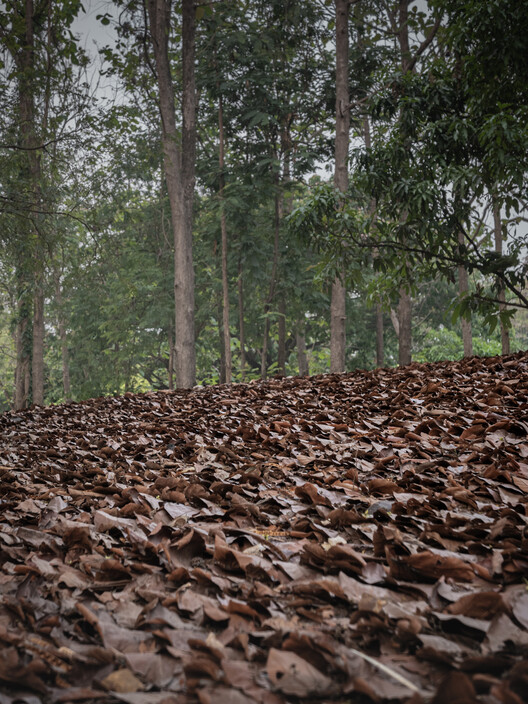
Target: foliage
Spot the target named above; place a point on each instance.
(433, 149)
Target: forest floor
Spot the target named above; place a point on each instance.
(349, 538)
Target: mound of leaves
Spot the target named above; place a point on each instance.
(348, 538)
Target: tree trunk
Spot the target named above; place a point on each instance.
(22, 359)
(264, 351)
(375, 253)
(338, 303)
(281, 354)
(302, 358)
(395, 322)
(223, 227)
(463, 289)
(25, 60)
(65, 355)
(220, 326)
(405, 330)
(404, 305)
(497, 227)
(38, 345)
(179, 164)
(171, 358)
(241, 327)
(273, 281)
(380, 356)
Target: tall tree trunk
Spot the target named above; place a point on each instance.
(463, 289)
(273, 279)
(223, 227)
(287, 207)
(338, 302)
(38, 344)
(241, 326)
(497, 228)
(380, 351)
(179, 165)
(405, 330)
(281, 354)
(220, 327)
(302, 358)
(22, 357)
(395, 322)
(65, 355)
(171, 358)
(375, 253)
(405, 303)
(25, 60)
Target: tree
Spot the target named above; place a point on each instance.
(39, 60)
(338, 305)
(179, 165)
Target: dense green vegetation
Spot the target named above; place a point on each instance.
(434, 217)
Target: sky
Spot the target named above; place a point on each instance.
(90, 29)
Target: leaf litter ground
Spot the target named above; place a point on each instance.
(347, 538)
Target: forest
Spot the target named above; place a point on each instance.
(323, 201)
(231, 190)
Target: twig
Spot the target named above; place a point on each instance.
(387, 670)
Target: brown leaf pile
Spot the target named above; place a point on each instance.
(354, 538)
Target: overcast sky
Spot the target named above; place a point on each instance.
(90, 29)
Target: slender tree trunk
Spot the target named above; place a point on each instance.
(338, 302)
(220, 327)
(179, 164)
(38, 344)
(281, 354)
(223, 227)
(302, 358)
(380, 356)
(65, 355)
(497, 227)
(463, 289)
(22, 359)
(405, 330)
(25, 60)
(287, 206)
(375, 253)
(273, 280)
(186, 354)
(171, 358)
(241, 326)
(405, 303)
(264, 351)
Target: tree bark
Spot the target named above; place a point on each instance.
(395, 322)
(338, 302)
(463, 289)
(405, 303)
(38, 344)
(171, 358)
(302, 358)
(220, 326)
(33, 251)
(380, 351)
(179, 165)
(497, 229)
(375, 253)
(63, 337)
(281, 354)
(22, 359)
(223, 227)
(241, 326)
(273, 280)
(405, 330)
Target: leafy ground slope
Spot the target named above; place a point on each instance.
(348, 538)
